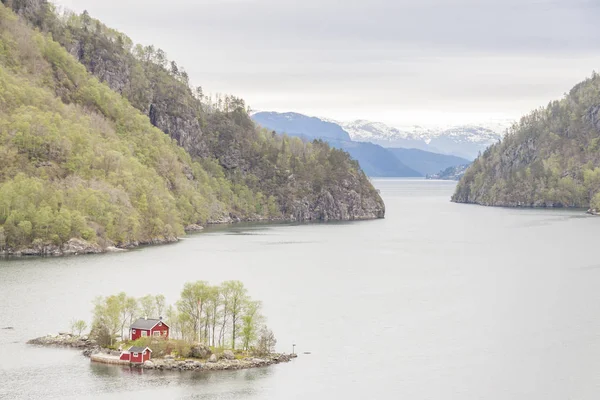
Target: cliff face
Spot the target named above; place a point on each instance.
(551, 158)
(339, 203)
(284, 178)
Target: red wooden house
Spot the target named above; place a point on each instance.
(136, 355)
(144, 327)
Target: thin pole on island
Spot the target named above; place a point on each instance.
(293, 348)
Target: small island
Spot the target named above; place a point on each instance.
(208, 328)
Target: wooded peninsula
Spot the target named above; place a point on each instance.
(106, 144)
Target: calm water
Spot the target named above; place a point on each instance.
(437, 301)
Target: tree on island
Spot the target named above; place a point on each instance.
(107, 319)
(238, 299)
(266, 342)
(78, 326)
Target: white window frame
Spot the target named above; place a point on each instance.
(156, 333)
(133, 331)
(144, 333)
(135, 354)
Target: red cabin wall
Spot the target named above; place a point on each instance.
(138, 333)
(164, 330)
(125, 357)
(137, 359)
(141, 357)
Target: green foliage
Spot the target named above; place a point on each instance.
(107, 319)
(211, 313)
(550, 158)
(250, 324)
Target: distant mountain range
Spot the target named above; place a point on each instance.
(375, 160)
(465, 141)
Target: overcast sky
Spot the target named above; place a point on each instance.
(395, 61)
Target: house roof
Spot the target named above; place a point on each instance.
(138, 349)
(146, 323)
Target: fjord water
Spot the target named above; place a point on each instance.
(436, 301)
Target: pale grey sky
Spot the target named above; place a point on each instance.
(395, 61)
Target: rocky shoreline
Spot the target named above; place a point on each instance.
(214, 363)
(225, 361)
(67, 340)
(77, 246)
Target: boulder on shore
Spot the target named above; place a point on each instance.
(200, 351)
(80, 246)
(213, 358)
(194, 228)
(228, 355)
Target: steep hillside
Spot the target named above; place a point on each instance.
(79, 161)
(551, 158)
(425, 162)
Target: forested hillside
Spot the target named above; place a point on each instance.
(551, 158)
(79, 160)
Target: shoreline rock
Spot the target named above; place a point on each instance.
(212, 364)
(226, 362)
(194, 228)
(66, 340)
(76, 246)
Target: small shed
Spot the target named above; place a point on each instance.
(136, 354)
(144, 327)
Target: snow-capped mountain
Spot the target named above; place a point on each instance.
(363, 129)
(464, 141)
